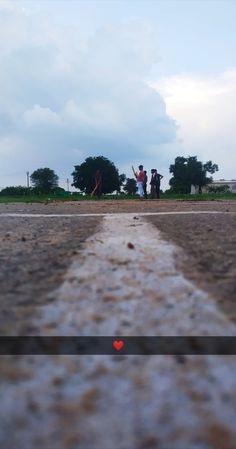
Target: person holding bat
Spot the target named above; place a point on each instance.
(140, 177)
(98, 184)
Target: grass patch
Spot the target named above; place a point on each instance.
(198, 197)
(79, 197)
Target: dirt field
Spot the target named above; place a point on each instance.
(209, 253)
(35, 253)
(118, 275)
(116, 206)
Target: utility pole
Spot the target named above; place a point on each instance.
(27, 173)
(68, 185)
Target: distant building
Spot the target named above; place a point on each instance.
(221, 182)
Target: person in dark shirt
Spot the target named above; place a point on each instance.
(155, 183)
(145, 184)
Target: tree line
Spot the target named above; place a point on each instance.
(189, 171)
(186, 172)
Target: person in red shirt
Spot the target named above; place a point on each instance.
(98, 184)
(140, 176)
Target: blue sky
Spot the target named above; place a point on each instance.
(138, 81)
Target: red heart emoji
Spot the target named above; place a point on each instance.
(118, 344)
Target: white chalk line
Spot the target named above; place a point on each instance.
(124, 214)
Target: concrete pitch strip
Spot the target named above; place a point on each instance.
(124, 282)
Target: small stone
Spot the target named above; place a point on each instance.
(180, 358)
(150, 441)
(130, 245)
(32, 406)
(89, 399)
(58, 381)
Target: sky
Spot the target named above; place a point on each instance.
(137, 81)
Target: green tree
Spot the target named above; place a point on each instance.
(83, 175)
(44, 180)
(189, 171)
(15, 190)
(131, 186)
(179, 182)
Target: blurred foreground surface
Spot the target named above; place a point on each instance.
(54, 281)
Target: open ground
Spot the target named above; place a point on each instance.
(118, 268)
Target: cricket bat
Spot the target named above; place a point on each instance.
(134, 172)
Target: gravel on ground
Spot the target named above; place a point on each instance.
(209, 252)
(117, 206)
(34, 256)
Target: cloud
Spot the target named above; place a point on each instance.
(204, 108)
(38, 116)
(64, 97)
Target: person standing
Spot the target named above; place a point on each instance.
(145, 184)
(158, 186)
(98, 184)
(140, 180)
(155, 183)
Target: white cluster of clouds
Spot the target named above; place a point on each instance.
(205, 110)
(64, 98)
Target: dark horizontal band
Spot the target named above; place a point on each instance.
(117, 345)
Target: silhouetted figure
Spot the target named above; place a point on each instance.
(155, 183)
(98, 184)
(145, 184)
